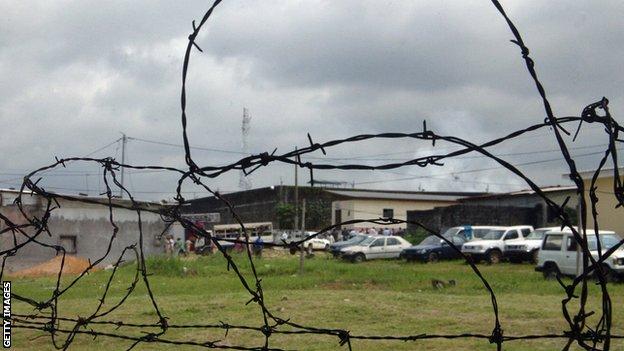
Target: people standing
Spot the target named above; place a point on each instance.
(213, 246)
(188, 245)
(258, 246)
(179, 247)
(238, 245)
(171, 244)
(199, 242)
(167, 246)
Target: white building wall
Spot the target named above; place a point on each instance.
(373, 209)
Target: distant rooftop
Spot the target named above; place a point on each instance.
(547, 189)
(401, 195)
(93, 199)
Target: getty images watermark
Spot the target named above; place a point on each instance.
(6, 314)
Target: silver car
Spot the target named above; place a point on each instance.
(376, 247)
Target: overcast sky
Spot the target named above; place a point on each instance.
(75, 74)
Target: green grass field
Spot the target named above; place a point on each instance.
(373, 298)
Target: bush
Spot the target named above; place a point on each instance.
(285, 215)
(167, 266)
(416, 236)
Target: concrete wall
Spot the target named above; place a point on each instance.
(370, 208)
(259, 205)
(609, 217)
(89, 225)
(445, 217)
(527, 201)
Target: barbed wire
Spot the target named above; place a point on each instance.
(46, 317)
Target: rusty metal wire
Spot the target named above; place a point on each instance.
(47, 319)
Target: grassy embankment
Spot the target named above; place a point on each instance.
(373, 298)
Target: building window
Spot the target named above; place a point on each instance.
(571, 243)
(388, 213)
(68, 242)
(552, 242)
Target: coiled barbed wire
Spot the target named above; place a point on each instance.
(47, 319)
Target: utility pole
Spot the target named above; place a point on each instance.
(244, 183)
(583, 233)
(296, 227)
(301, 253)
(87, 182)
(124, 140)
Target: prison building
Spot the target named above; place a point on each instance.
(323, 206)
(609, 213)
(512, 208)
(82, 229)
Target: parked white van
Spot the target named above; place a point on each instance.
(558, 254)
(492, 246)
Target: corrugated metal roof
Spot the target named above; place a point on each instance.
(548, 189)
(98, 199)
(416, 196)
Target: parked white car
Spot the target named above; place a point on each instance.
(492, 246)
(316, 243)
(376, 247)
(558, 254)
(526, 249)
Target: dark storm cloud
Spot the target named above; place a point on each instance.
(77, 74)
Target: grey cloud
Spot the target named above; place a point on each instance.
(79, 74)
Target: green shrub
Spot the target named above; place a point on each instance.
(165, 265)
(416, 236)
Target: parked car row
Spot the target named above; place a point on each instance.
(552, 249)
(478, 242)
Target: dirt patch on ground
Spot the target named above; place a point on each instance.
(72, 265)
(342, 285)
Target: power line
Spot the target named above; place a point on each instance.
(368, 157)
(21, 175)
(410, 177)
(102, 148)
(192, 147)
(478, 170)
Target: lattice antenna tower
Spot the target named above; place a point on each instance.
(244, 183)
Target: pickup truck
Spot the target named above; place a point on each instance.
(492, 246)
(526, 249)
